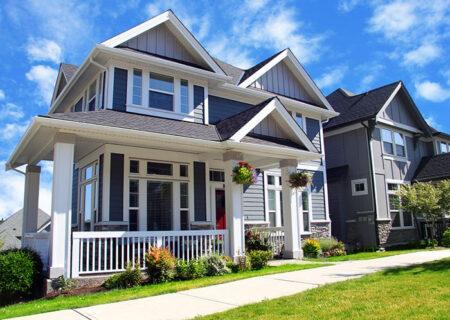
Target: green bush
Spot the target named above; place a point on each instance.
(160, 264)
(259, 258)
(193, 269)
(446, 238)
(20, 275)
(330, 247)
(131, 277)
(257, 240)
(311, 248)
(216, 265)
(62, 284)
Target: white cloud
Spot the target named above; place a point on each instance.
(12, 130)
(45, 78)
(432, 91)
(433, 123)
(11, 111)
(255, 5)
(423, 55)
(348, 5)
(2, 95)
(11, 197)
(44, 50)
(332, 77)
(223, 49)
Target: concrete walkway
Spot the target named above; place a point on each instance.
(191, 303)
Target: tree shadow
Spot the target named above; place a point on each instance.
(436, 266)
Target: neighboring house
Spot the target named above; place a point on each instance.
(11, 228)
(144, 136)
(378, 142)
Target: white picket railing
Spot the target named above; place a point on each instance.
(275, 237)
(111, 251)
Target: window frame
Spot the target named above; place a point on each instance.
(357, 193)
(399, 211)
(442, 143)
(277, 188)
(136, 87)
(82, 183)
(308, 211)
(294, 115)
(393, 143)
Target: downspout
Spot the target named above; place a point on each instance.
(369, 129)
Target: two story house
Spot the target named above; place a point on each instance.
(378, 142)
(144, 136)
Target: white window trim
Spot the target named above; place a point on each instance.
(294, 115)
(447, 146)
(94, 193)
(359, 193)
(278, 189)
(394, 145)
(400, 211)
(310, 215)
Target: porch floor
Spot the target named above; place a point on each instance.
(230, 295)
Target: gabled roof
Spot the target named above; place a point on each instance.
(68, 70)
(433, 168)
(234, 72)
(249, 72)
(177, 27)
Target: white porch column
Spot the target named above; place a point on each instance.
(31, 200)
(63, 155)
(293, 249)
(233, 206)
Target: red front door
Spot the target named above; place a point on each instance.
(220, 210)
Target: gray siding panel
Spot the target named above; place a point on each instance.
(269, 127)
(199, 102)
(313, 132)
(100, 188)
(221, 108)
(199, 191)
(116, 187)
(318, 196)
(398, 111)
(120, 89)
(253, 200)
(75, 196)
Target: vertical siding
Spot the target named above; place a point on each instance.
(317, 196)
(269, 127)
(253, 200)
(120, 89)
(199, 104)
(313, 132)
(281, 80)
(221, 108)
(399, 111)
(199, 191)
(75, 196)
(100, 188)
(116, 187)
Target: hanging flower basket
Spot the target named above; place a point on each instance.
(300, 179)
(244, 173)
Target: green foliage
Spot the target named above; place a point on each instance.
(216, 265)
(331, 247)
(131, 277)
(62, 284)
(311, 248)
(446, 238)
(244, 173)
(20, 275)
(257, 240)
(444, 199)
(259, 258)
(193, 269)
(300, 179)
(160, 264)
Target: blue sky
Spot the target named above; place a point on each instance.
(355, 44)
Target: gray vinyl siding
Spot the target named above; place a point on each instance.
(398, 111)
(199, 191)
(318, 196)
(120, 89)
(161, 41)
(116, 187)
(221, 108)
(253, 200)
(75, 196)
(199, 104)
(281, 80)
(100, 188)
(269, 127)
(313, 132)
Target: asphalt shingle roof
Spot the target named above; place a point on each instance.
(68, 70)
(434, 168)
(234, 72)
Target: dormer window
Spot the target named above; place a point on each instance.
(184, 96)
(137, 86)
(393, 143)
(161, 92)
(91, 96)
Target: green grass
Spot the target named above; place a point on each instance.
(70, 302)
(366, 255)
(417, 292)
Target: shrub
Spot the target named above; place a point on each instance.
(193, 269)
(62, 284)
(311, 248)
(216, 265)
(20, 276)
(160, 264)
(330, 247)
(259, 258)
(244, 173)
(131, 277)
(257, 240)
(446, 238)
(299, 179)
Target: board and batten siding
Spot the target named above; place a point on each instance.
(199, 104)
(269, 127)
(281, 80)
(221, 108)
(116, 187)
(120, 89)
(253, 200)
(313, 132)
(161, 41)
(199, 191)
(318, 196)
(398, 111)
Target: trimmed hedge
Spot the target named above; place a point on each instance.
(20, 275)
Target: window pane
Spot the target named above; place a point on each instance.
(160, 100)
(184, 220)
(388, 148)
(133, 220)
(134, 194)
(399, 139)
(216, 175)
(159, 168)
(79, 105)
(271, 180)
(161, 82)
(184, 96)
(395, 218)
(394, 202)
(88, 202)
(386, 135)
(137, 86)
(134, 166)
(299, 119)
(407, 219)
(392, 186)
(281, 209)
(184, 195)
(400, 151)
(89, 173)
(359, 187)
(91, 106)
(92, 90)
(305, 221)
(271, 196)
(183, 170)
(280, 181)
(443, 147)
(159, 205)
(272, 219)
(305, 201)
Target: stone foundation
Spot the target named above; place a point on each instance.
(391, 237)
(320, 229)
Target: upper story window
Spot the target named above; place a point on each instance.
(161, 93)
(92, 95)
(393, 143)
(137, 86)
(443, 147)
(299, 119)
(184, 96)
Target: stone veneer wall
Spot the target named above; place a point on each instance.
(320, 229)
(389, 237)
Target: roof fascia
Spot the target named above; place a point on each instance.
(388, 101)
(57, 82)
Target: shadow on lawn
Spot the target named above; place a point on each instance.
(441, 265)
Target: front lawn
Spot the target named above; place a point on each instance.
(70, 302)
(417, 292)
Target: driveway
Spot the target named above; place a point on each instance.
(191, 303)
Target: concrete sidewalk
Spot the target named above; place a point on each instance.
(191, 303)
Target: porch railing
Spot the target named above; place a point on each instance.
(275, 236)
(111, 251)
